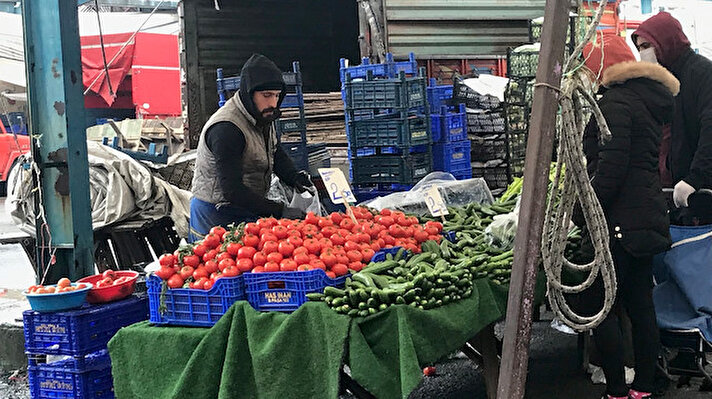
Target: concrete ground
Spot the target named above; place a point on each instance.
(554, 368)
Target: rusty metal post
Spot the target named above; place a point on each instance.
(542, 129)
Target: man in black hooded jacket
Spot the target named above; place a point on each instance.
(237, 153)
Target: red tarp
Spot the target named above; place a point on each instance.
(93, 63)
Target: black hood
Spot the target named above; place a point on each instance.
(260, 73)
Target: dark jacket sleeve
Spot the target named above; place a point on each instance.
(613, 156)
(284, 167)
(227, 143)
(700, 175)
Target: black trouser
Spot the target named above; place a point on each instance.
(635, 295)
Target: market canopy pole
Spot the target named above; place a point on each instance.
(542, 129)
(65, 242)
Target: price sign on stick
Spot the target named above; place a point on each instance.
(435, 202)
(338, 188)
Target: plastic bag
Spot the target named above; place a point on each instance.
(306, 202)
(454, 193)
(501, 232)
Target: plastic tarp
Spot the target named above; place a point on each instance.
(93, 66)
(121, 188)
(454, 193)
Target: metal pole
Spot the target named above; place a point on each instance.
(57, 120)
(542, 129)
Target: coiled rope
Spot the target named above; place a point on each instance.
(574, 92)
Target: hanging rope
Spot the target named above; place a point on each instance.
(574, 92)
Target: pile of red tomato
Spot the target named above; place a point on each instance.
(332, 243)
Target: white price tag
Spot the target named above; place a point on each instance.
(435, 202)
(337, 185)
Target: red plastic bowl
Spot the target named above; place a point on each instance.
(112, 292)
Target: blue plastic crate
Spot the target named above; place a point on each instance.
(449, 157)
(370, 151)
(286, 291)
(98, 360)
(439, 95)
(61, 379)
(82, 331)
(365, 193)
(190, 307)
(399, 93)
(391, 169)
(388, 69)
(449, 126)
(399, 130)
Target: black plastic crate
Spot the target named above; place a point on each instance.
(519, 91)
(396, 169)
(517, 117)
(400, 93)
(463, 94)
(517, 144)
(487, 148)
(401, 130)
(495, 173)
(479, 123)
(523, 62)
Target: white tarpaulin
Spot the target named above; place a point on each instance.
(121, 188)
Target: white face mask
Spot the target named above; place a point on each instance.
(648, 55)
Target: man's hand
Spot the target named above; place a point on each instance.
(303, 183)
(681, 192)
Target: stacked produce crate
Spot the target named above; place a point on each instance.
(487, 134)
(67, 354)
(451, 147)
(387, 125)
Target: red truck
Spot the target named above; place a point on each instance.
(11, 147)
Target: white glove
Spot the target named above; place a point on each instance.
(681, 192)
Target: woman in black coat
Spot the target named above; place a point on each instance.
(637, 100)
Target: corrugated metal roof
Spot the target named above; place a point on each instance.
(458, 28)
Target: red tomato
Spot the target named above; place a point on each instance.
(356, 266)
(347, 224)
(296, 241)
(431, 230)
(420, 235)
(215, 276)
(310, 229)
(279, 231)
(231, 271)
(264, 230)
(223, 255)
(301, 259)
(284, 222)
(376, 246)
(246, 253)
(367, 254)
(252, 228)
(218, 231)
(312, 245)
(200, 272)
(331, 275)
(244, 265)
(271, 267)
(186, 272)
(275, 257)
(408, 231)
(336, 217)
(351, 246)
(251, 240)
(328, 258)
(198, 285)
(288, 265)
(211, 241)
(107, 274)
(271, 236)
(270, 247)
(164, 273)
(300, 250)
(342, 259)
(200, 250)
(167, 260)
(385, 221)
(286, 248)
(324, 222)
(317, 264)
(340, 269)
(337, 239)
(325, 243)
(225, 263)
(304, 268)
(174, 282)
(437, 225)
(329, 231)
(403, 220)
(354, 256)
(259, 259)
(385, 212)
(191, 260)
(105, 282)
(311, 218)
(210, 255)
(207, 285)
(232, 248)
(259, 269)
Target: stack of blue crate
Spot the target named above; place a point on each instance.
(66, 351)
(387, 125)
(451, 147)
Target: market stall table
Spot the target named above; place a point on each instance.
(249, 354)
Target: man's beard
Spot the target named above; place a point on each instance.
(270, 114)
